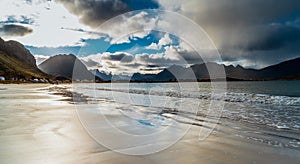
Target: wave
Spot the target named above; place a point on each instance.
(228, 96)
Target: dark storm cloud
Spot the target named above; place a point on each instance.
(275, 37)
(266, 56)
(156, 59)
(152, 66)
(257, 31)
(245, 12)
(14, 30)
(232, 22)
(152, 69)
(159, 60)
(191, 57)
(122, 57)
(95, 12)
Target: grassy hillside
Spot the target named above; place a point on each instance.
(11, 67)
(16, 62)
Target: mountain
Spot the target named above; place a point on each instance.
(285, 70)
(192, 73)
(231, 72)
(68, 66)
(109, 77)
(17, 62)
(124, 78)
(241, 73)
(171, 74)
(138, 77)
(102, 75)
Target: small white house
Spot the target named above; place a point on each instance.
(34, 80)
(2, 78)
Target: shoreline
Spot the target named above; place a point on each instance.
(41, 127)
(128, 81)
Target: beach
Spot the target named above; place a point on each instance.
(38, 126)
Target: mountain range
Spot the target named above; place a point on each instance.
(16, 62)
(288, 70)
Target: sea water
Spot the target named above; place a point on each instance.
(264, 111)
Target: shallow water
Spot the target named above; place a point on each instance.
(265, 112)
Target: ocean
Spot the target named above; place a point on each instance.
(266, 112)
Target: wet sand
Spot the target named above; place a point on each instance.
(38, 127)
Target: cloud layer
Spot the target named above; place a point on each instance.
(261, 32)
(14, 30)
(253, 33)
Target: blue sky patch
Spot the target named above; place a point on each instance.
(94, 46)
(141, 4)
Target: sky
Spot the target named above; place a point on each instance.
(251, 33)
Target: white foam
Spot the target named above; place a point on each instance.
(228, 97)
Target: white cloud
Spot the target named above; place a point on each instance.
(115, 63)
(50, 22)
(48, 18)
(166, 40)
(40, 58)
(153, 46)
(124, 62)
(95, 59)
(126, 26)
